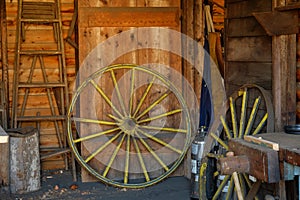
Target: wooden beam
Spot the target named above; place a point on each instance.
(261, 141)
(264, 162)
(278, 23)
(129, 17)
(228, 165)
(284, 80)
(253, 191)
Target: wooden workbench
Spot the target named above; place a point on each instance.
(289, 146)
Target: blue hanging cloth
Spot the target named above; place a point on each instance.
(206, 103)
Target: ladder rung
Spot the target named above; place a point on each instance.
(41, 85)
(40, 52)
(55, 153)
(41, 20)
(40, 118)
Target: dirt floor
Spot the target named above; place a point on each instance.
(59, 185)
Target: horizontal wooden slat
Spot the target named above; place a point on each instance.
(244, 27)
(256, 49)
(240, 73)
(246, 8)
(129, 17)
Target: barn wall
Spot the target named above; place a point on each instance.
(48, 136)
(248, 50)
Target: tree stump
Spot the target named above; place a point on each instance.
(24, 160)
(4, 160)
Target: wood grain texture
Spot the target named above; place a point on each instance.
(256, 49)
(24, 162)
(129, 17)
(245, 27)
(246, 8)
(278, 23)
(4, 159)
(121, 16)
(264, 163)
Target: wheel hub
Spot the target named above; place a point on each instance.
(128, 125)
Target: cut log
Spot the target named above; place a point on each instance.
(4, 160)
(24, 160)
(228, 165)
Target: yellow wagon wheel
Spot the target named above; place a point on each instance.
(248, 111)
(133, 128)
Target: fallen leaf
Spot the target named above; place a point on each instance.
(56, 187)
(74, 187)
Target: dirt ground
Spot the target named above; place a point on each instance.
(59, 185)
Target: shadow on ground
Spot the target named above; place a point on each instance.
(59, 185)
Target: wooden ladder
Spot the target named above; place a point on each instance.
(34, 78)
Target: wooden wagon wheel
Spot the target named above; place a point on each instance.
(248, 111)
(134, 127)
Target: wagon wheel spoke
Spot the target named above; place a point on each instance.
(230, 189)
(101, 148)
(126, 170)
(248, 112)
(159, 141)
(96, 135)
(243, 113)
(144, 97)
(152, 152)
(113, 156)
(221, 186)
(105, 97)
(131, 92)
(77, 119)
(125, 139)
(161, 98)
(120, 98)
(160, 116)
(141, 160)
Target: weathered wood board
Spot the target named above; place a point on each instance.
(248, 48)
(264, 163)
(4, 160)
(24, 161)
(121, 16)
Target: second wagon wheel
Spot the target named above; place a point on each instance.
(248, 111)
(134, 126)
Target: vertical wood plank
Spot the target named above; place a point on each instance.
(284, 79)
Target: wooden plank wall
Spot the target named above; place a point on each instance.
(248, 49)
(48, 136)
(100, 32)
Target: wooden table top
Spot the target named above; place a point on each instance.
(289, 146)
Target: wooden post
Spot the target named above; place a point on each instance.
(284, 77)
(284, 82)
(4, 160)
(24, 160)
